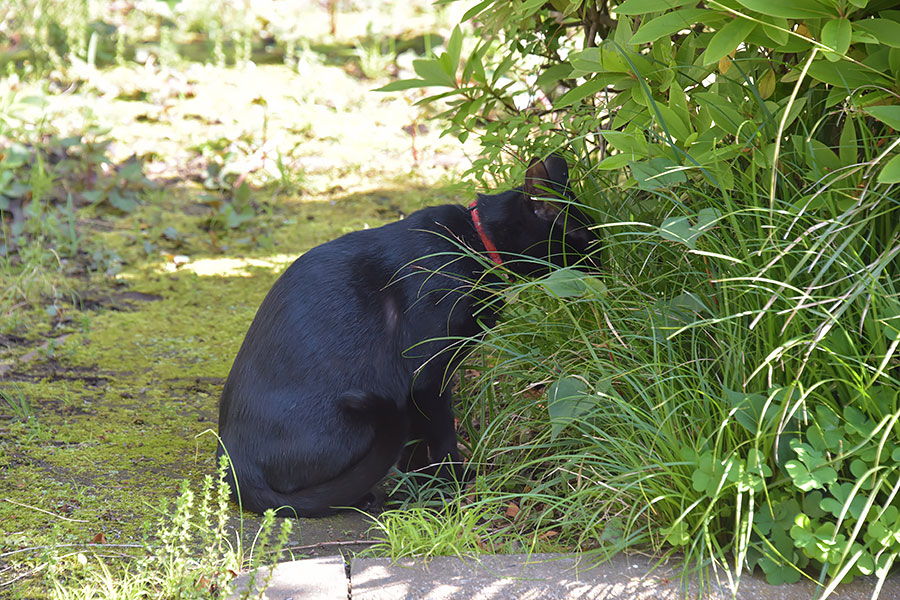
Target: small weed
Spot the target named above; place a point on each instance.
(188, 556)
(18, 403)
(426, 532)
(375, 56)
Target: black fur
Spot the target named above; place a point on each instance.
(349, 355)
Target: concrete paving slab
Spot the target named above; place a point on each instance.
(516, 577)
(323, 578)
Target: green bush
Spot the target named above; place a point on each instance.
(700, 93)
(728, 387)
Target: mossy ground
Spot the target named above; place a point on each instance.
(111, 396)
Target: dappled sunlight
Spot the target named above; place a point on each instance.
(225, 266)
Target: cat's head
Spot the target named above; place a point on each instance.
(554, 227)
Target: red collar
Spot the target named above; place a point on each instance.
(488, 244)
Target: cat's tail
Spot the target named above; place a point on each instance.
(353, 486)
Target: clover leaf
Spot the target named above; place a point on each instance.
(750, 475)
(821, 543)
(781, 562)
(811, 505)
(886, 529)
(779, 572)
(810, 472)
(708, 476)
(840, 496)
(856, 422)
(776, 517)
(678, 534)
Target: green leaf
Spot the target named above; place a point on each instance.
(727, 39)
(627, 142)
(474, 68)
(71, 141)
(822, 156)
(778, 573)
(836, 35)
(680, 229)
(589, 88)
(124, 202)
(748, 410)
(886, 529)
(776, 28)
(678, 102)
(886, 31)
(890, 325)
(242, 194)
(840, 496)
(603, 59)
(454, 47)
(477, 10)
(832, 432)
(640, 7)
(668, 24)
(856, 422)
(551, 76)
(724, 112)
(889, 115)
(891, 171)
(567, 400)
(132, 171)
(657, 173)
(708, 476)
(678, 534)
(565, 283)
(766, 84)
(614, 162)
(235, 218)
(810, 472)
(677, 128)
(432, 72)
(93, 196)
(845, 74)
(403, 84)
(750, 475)
(848, 150)
(811, 502)
(503, 67)
(788, 9)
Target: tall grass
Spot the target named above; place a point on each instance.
(726, 389)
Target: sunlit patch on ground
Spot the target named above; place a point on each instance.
(224, 266)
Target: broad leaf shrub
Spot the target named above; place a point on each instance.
(687, 92)
(727, 388)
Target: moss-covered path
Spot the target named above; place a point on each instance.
(110, 394)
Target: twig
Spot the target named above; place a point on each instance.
(23, 575)
(86, 545)
(45, 511)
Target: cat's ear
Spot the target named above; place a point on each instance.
(544, 179)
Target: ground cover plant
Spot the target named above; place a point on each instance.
(728, 387)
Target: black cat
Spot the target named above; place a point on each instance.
(344, 369)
